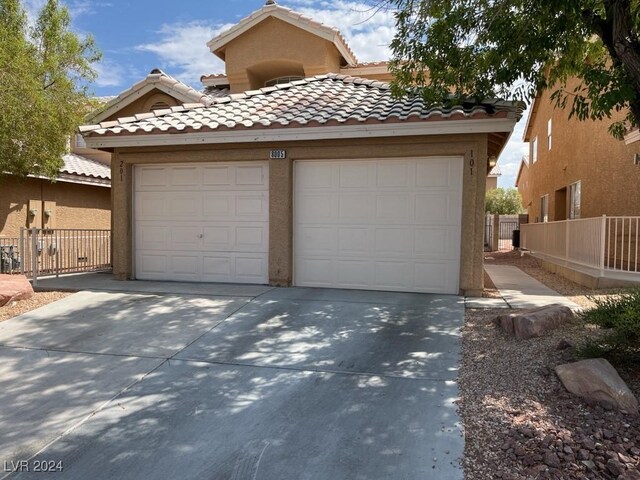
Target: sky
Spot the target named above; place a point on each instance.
(136, 36)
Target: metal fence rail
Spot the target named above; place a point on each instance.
(608, 244)
(41, 252)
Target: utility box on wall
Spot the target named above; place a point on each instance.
(34, 214)
(49, 215)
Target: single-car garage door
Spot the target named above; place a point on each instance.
(202, 222)
(379, 224)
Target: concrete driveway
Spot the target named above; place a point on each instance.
(257, 383)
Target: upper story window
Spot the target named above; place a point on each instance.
(574, 200)
(280, 81)
(549, 134)
(534, 150)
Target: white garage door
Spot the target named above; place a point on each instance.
(379, 224)
(202, 222)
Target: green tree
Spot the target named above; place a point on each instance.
(504, 201)
(45, 70)
(455, 50)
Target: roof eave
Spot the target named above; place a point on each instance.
(392, 129)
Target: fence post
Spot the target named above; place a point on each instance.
(495, 241)
(34, 255)
(603, 240)
(566, 241)
(22, 251)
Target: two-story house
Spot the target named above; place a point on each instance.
(301, 168)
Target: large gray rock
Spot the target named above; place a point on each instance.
(536, 322)
(14, 288)
(597, 381)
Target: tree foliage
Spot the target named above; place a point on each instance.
(45, 69)
(503, 201)
(450, 50)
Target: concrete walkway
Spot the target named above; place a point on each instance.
(523, 291)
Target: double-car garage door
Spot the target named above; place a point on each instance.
(363, 224)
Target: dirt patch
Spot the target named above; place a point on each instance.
(38, 300)
(520, 422)
(532, 266)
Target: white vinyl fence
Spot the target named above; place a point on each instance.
(607, 244)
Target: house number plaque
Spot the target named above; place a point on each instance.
(121, 170)
(277, 154)
(472, 163)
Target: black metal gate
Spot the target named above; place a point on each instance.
(506, 228)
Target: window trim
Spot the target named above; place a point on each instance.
(544, 212)
(549, 136)
(534, 150)
(572, 204)
(282, 80)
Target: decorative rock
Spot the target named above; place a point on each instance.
(14, 288)
(536, 322)
(552, 460)
(596, 380)
(563, 345)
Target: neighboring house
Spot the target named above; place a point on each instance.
(301, 168)
(576, 168)
(79, 198)
(492, 178)
(81, 195)
(523, 184)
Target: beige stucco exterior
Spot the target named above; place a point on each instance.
(273, 49)
(471, 147)
(72, 205)
(581, 151)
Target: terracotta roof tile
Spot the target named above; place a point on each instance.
(323, 100)
(78, 165)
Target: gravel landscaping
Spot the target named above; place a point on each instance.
(38, 300)
(521, 423)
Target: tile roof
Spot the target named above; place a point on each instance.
(495, 172)
(157, 78)
(82, 166)
(316, 101)
(271, 9)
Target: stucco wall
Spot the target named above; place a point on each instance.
(77, 206)
(274, 48)
(585, 152)
(472, 147)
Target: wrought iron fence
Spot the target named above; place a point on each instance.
(42, 252)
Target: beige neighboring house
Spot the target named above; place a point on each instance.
(300, 168)
(522, 182)
(492, 178)
(576, 169)
(81, 195)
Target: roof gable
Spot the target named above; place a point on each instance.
(271, 9)
(156, 80)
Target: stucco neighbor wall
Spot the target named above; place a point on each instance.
(77, 206)
(472, 147)
(585, 152)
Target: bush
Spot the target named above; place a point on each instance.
(619, 318)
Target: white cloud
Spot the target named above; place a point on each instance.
(183, 47)
(368, 31)
(110, 74)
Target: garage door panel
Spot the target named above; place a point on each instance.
(150, 205)
(396, 223)
(151, 177)
(185, 238)
(393, 242)
(217, 176)
(152, 237)
(184, 177)
(250, 175)
(354, 241)
(354, 273)
(202, 222)
(394, 174)
(354, 208)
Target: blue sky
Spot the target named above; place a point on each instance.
(136, 36)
